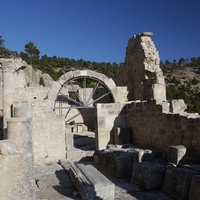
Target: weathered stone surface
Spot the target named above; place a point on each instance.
(118, 162)
(53, 183)
(108, 116)
(176, 154)
(122, 135)
(148, 175)
(69, 140)
(90, 183)
(22, 109)
(33, 77)
(16, 172)
(141, 72)
(11, 64)
(177, 182)
(53, 91)
(195, 188)
(177, 106)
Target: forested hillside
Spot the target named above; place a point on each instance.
(182, 76)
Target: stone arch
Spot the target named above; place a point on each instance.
(57, 85)
(78, 112)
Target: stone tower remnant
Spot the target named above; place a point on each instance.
(141, 72)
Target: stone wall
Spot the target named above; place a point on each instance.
(33, 76)
(154, 125)
(48, 133)
(107, 117)
(48, 129)
(141, 72)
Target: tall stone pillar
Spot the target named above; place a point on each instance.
(20, 131)
(11, 84)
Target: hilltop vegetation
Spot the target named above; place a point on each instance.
(182, 77)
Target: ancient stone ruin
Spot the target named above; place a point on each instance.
(127, 129)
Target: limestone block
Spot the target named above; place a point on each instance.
(16, 172)
(159, 92)
(177, 182)
(53, 92)
(117, 162)
(120, 93)
(69, 140)
(20, 130)
(49, 138)
(22, 109)
(65, 77)
(165, 106)
(178, 106)
(90, 183)
(148, 175)
(12, 179)
(176, 154)
(122, 135)
(195, 188)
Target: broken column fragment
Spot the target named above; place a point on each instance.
(14, 83)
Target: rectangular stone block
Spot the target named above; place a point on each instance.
(195, 188)
(176, 154)
(177, 182)
(90, 183)
(118, 163)
(69, 140)
(148, 175)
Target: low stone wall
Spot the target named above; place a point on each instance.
(48, 130)
(48, 133)
(155, 126)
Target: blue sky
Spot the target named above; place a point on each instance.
(98, 30)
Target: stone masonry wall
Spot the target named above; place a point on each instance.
(48, 133)
(107, 117)
(154, 126)
(141, 72)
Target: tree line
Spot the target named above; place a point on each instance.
(56, 66)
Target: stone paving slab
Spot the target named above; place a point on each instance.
(54, 184)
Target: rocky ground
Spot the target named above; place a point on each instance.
(53, 183)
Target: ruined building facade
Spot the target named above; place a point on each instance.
(36, 123)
